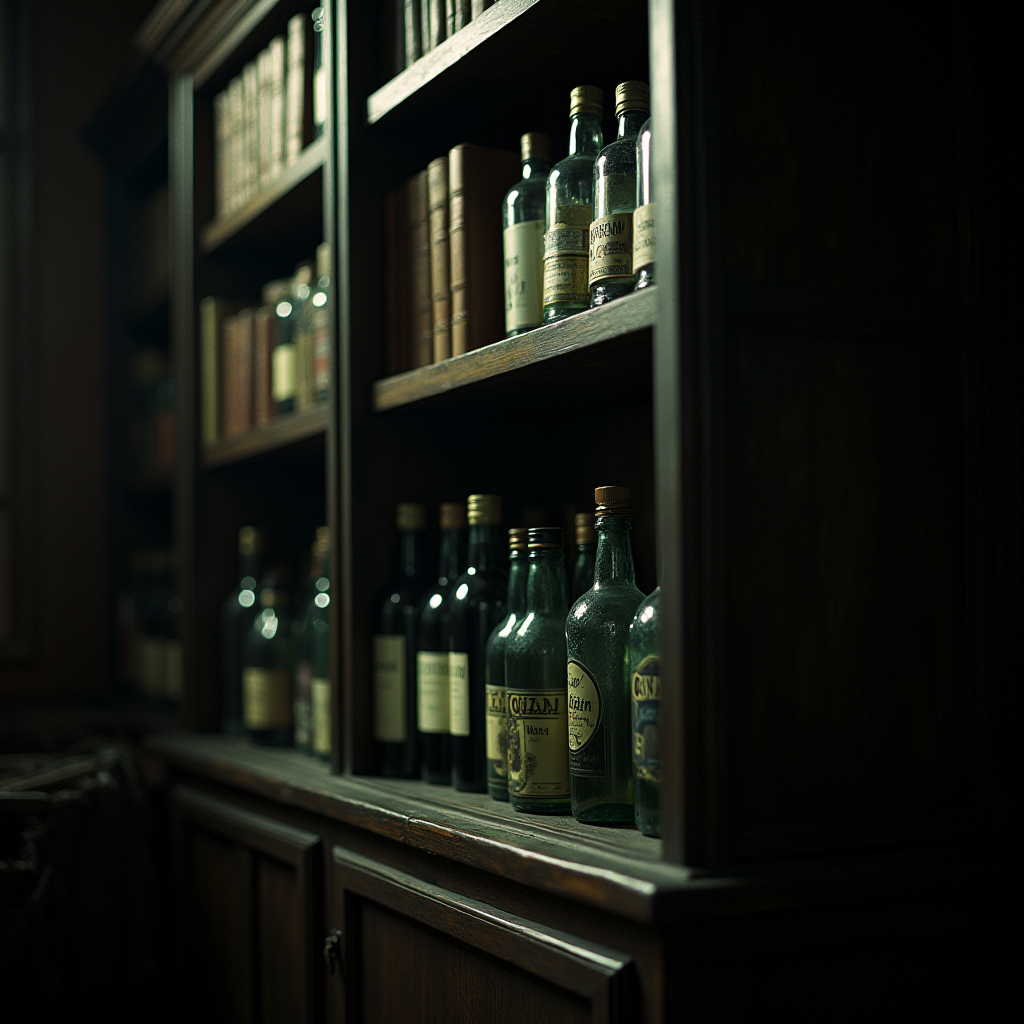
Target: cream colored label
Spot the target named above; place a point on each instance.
(432, 691)
(389, 689)
(643, 236)
(497, 728)
(584, 706)
(283, 373)
(611, 247)
(538, 753)
(320, 717)
(565, 265)
(458, 690)
(524, 275)
(267, 698)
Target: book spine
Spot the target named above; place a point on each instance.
(422, 330)
(479, 6)
(209, 369)
(399, 293)
(440, 287)
(449, 17)
(413, 35)
(229, 375)
(438, 22)
(244, 369)
(234, 169)
(251, 137)
(457, 250)
(263, 347)
(275, 74)
(425, 37)
(295, 88)
(220, 122)
(463, 15)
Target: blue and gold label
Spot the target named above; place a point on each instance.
(645, 687)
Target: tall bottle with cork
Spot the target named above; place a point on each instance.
(267, 668)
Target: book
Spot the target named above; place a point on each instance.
(438, 23)
(462, 14)
(425, 35)
(233, 178)
(238, 373)
(295, 88)
(265, 85)
(220, 134)
(440, 286)
(276, 74)
(212, 312)
(250, 132)
(411, 10)
(479, 6)
(264, 331)
(421, 329)
(400, 298)
(478, 179)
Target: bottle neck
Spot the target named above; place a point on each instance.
(518, 572)
(630, 123)
(546, 592)
(410, 553)
(449, 564)
(250, 566)
(535, 168)
(614, 561)
(486, 550)
(585, 137)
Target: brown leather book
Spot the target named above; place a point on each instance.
(399, 286)
(239, 373)
(478, 179)
(440, 288)
(229, 390)
(264, 324)
(421, 328)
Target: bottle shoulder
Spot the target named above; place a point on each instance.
(602, 607)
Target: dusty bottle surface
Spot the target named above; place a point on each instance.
(645, 701)
(523, 238)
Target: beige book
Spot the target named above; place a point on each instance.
(236, 106)
(295, 88)
(220, 134)
(213, 310)
(440, 288)
(250, 131)
(265, 133)
(276, 121)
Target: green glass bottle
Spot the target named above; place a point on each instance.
(523, 238)
(586, 547)
(302, 654)
(597, 632)
(611, 233)
(538, 751)
(645, 696)
(569, 208)
(320, 730)
(494, 669)
(318, 315)
(643, 215)
(267, 669)
(432, 696)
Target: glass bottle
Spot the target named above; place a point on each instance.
(523, 238)
(645, 695)
(283, 362)
(611, 234)
(494, 667)
(586, 546)
(569, 208)
(236, 619)
(538, 751)
(394, 650)
(643, 215)
(432, 650)
(302, 335)
(597, 632)
(319, 319)
(320, 641)
(302, 649)
(267, 669)
(476, 605)
(320, 84)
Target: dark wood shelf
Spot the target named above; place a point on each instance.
(291, 199)
(151, 483)
(282, 432)
(605, 348)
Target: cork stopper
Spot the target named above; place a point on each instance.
(612, 501)
(410, 516)
(586, 99)
(545, 537)
(452, 515)
(484, 509)
(534, 146)
(632, 96)
(518, 538)
(250, 541)
(323, 260)
(585, 532)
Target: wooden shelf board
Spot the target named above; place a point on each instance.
(611, 340)
(220, 233)
(281, 432)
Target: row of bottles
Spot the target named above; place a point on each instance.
(488, 680)
(581, 233)
(276, 668)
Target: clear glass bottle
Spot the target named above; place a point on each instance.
(523, 238)
(643, 215)
(394, 649)
(611, 233)
(302, 335)
(586, 547)
(237, 613)
(494, 667)
(319, 318)
(267, 669)
(597, 632)
(645, 696)
(476, 605)
(538, 751)
(569, 208)
(432, 650)
(320, 730)
(283, 360)
(302, 647)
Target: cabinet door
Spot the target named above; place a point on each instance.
(249, 913)
(413, 952)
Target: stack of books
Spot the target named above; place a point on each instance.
(417, 26)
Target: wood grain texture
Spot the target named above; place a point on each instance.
(281, 432)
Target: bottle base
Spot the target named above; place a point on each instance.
(561, 310)
(497, 793)
(529, 807)
(620, 815)
(602, 294)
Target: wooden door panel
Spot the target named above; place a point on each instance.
(415, 952)
(250, 905)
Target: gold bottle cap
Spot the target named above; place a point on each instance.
(545, 537)
(323, 260)
(612, 501)
(410, 516)
(323, 534)
(586, 99)
(632, 96)
(585, 532)
(518, 537)
(534, 146)
(484, 509)
(250, 541)
(452, 515)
